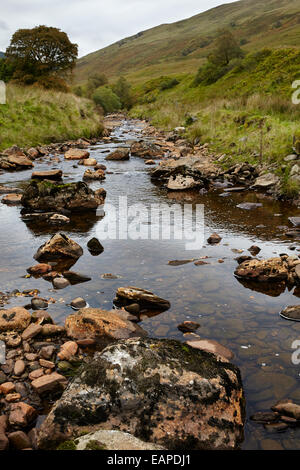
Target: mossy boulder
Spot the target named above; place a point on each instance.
(160, 391)
(52, 196)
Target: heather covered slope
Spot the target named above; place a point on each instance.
(168, 48)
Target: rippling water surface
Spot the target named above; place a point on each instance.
(238, 316)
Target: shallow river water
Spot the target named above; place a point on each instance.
(236, 315)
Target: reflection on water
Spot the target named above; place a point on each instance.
(242, 316)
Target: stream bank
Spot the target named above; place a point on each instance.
(235, 314)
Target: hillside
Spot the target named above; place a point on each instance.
(168, 48)
(35, 116)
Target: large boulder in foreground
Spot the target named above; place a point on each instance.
(59, 246)
(50, 196)
(160, 391)
(101, 326)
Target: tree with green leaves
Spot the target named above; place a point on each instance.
(95, 81)
(107, 99)
(41, 54)
(226, 49)
(123, 90)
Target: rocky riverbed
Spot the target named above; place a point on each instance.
(219, 302)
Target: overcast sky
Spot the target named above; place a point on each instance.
(94, 24)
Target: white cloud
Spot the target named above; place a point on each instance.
(94, 24)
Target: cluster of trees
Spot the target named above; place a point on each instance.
(223, 58)
(42, 55)
(46, 57)
(112, 97)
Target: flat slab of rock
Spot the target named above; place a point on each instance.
(14, 319)
(55, 175)
(177, 396)
(266, 181)
(100, 325)
(20, 161)
(113, 440)
(59, 246)
(49, 383)
(12, 199)
(145, 298)
(291, 313)
(10, 190)
(76, 154)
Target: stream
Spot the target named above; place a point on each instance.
(241, 318)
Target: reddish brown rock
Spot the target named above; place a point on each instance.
(21, 414)
(31, 331)
(19, 367)
(36, 374)
(13, 397)
(68, 350)
(39, 269)
(7, 387)
(101, 325)
(47, 364)
(49, 383)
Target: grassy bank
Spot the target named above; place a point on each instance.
(247, 114)
(33, 116)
